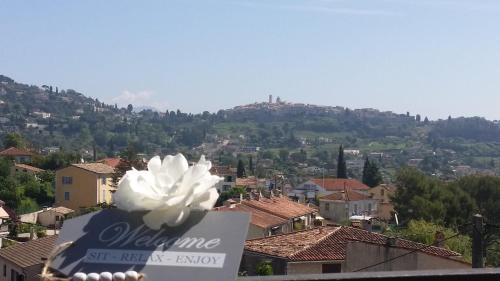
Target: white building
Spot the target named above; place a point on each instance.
(340, 206)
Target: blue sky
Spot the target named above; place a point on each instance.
(433, 57)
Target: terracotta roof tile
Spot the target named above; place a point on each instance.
(98, 168)
(221, 170)
(329, 243)
(250, 181)
(259, 218)
(29, 168)
(280, 206)
(112, 162)
(29, 253)
(12, 151)
(340, 184)
(346, 195)
(62, 210)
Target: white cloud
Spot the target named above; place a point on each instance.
(142, 98)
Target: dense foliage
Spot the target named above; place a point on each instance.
(25, 193)
(297, 132)
(451, 204)
(341, 164)
(425, 233)
(371, 174)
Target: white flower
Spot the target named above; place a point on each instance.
(168, 189)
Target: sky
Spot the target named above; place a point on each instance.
(430, 57)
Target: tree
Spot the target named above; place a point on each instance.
(130, 108)
(128, 161)
(283, 153)
(250, 165)
(300, 156)
(13, 140)
(371, 174)
(56, 160)
(341, 164)
(264, 268)
(5, 166)
(426, 198)
(240, 170)
(485, 190)
(425, 232)
(232, 193)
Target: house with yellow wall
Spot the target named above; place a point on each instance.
(84, 185)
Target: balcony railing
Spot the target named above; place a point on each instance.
(423, 275)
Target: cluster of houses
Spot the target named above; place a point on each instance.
(320, 226)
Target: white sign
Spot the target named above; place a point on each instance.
(162, 258)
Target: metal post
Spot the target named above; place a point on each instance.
(477, 241)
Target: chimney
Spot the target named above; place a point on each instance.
(32, 233)
(391, 241)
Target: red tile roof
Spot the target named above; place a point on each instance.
(112, 162)
(259, 218)
(280, 206)
(12, 151)
(62, 210)
(329, 243)
(250, 181)
(29, 253)
(222, 170)
(98, 168)
(29, 168)
(340, 184)
(346, 195)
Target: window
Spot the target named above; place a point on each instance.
(4, 270)
(103, 180)
(331, 268)
(66, 196)
(382, 192)
(15, 276)
(58, 218)
(327, 206)
(67, 180)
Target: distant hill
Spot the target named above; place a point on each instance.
(51, 117)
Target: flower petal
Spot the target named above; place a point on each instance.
(172, 217)
(154, 165)
(175, 166)
(168, 189)
(207, 201)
